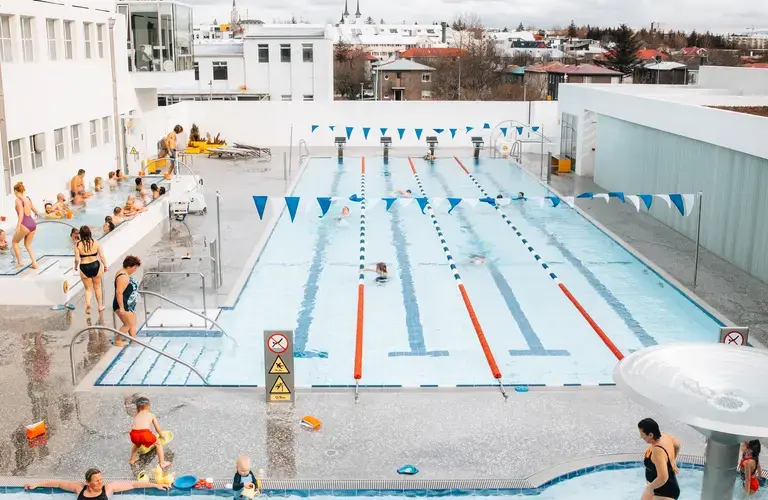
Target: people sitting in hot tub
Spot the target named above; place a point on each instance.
(139, 185)
(98, 184)
(162, 190)
(74, 236)
(79, 199)
(133, 206)
(119, 175)
(50, 212)
(109, 225)
(112, 181)
(155, 191)
(381, 272)
(405, 193)
(3, 242)
(117, 216)
(61, 204)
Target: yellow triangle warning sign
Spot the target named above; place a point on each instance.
(279, 387)
(133, 151)
(278, 367)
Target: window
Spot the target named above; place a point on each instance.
(87, 39)
(36, 146)
(285, 52)
(105, 129)
(220, 70)
(398, 74)
(100, 39)
(58, 143)
(69, 51)
(426, 94)
(263, 53)
(6, 49)
(14, 157)
(426, 77)
(94, 133)
(27, 49)
(309, 97)
(285, 97)
(393, 30)
(197, 71)
(50, 31)
(74, 131)
(307, 53)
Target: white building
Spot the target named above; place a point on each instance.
(754, 39)
(384, 41)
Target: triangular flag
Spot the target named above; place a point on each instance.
(365, 131)
(405, 201)
(438, 130)
(349, 132)
(568, 200)
(453, 132)
(454, 203)
(383, 130)
(355, 198)
(469, 128)
(689, 200)
(647, 199)
(422, 203)
(665, 197)
(554, 199)
(436, 202)
(504, 131)
(292, 202)
(314, 127)
(635, 200)
(325, 205)
(332, 127)
(678, 201)
(261, 202)
(472, 202)
(418, 132)
(488, 200)
(486, 125)
(535, 128)
(602, 195)
(616, 194)
(371, 202)
(390, 202)
(586, 195)
(401, 131)
(519, 130)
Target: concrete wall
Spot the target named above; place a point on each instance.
(235, 73)
(744, 81)
(638, 159)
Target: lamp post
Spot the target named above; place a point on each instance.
(115, 107)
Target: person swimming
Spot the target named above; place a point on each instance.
(520, 195)
(381, 272)
(477, 260)
(109, 225)
(405, 193)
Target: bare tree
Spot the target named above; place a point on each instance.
(350, 70)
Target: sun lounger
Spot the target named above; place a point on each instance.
(232, 153)
(259, 151)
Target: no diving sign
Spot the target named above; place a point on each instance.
(278, 366)
(734, 335)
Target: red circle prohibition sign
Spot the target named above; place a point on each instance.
(277, 343)
(736, 338)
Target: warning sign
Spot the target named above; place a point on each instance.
(277, 343)
(734, 335)
(279, 391)
(133, 150)
(278, 367)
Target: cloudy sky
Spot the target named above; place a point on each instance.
(714, 15)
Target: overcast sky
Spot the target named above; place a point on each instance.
(714, 15)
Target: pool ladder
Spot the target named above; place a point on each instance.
(305, 153)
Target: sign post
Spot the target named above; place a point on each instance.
(734, 335)
(278, 366)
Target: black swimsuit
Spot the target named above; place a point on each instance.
(670, 489)
(91, 269)
(100, 496)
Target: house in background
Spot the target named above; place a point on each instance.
(431, 53)
(404, 80)
(663, 73)
(543, 81)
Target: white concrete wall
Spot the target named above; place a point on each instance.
(43, 95)
(235, 73)
(745, 81)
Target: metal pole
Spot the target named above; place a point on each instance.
(549, 167)
(541, 160)
(698, 236)
(115, 108)
(720, 471)
(285, 166)
(290, 147)
(218, 237)
(4, 143)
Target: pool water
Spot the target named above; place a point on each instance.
(52, 239)
(416, 328)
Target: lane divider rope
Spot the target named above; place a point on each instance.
(600, 333)
(358, 371)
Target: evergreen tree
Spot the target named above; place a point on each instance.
(693, 39)
(370, 20)
(505, 30)
(572, 33)
(623, 57)
(520, 27)
(381, 21)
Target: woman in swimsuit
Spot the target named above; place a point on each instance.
(26, 226)
(659, 465)
(381, 271)
(94, 487)
(89, 259)
(749, 466)
(126, 294)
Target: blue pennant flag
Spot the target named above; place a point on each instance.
(261, 202)
(504, 131)
(314, 127)
(677, 200)
(554, 199)
(325, 205)
(418, 132)
(292, 202)
(519, 130)
(383, 130)
(422, 203)
(469, 128)
(586, 195)
(401, 131)
(349, 132)
(486, 125)
(488, 200)
(355, 198)
(454, 202)
(647, 199)
(332, 127)
(365, 131)
(616, 194)
(535, 128)
(439, 130)
(390, 202)
(453, 132)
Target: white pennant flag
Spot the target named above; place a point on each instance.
(665, 197)
(311, 207)
(503, 201)
(602, 195)
(689, 200)
(634, 199)
(371, 202)
(436, 202)
(472, 202)
(569, 200)
(405, 201)
(538, 200)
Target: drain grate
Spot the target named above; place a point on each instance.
(729, 402)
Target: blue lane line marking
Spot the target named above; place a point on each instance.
(152, 366)
(617, 305)
(194, 363)
(535, 347)
(173, 365)
(213, 366)
(312, 285)
(119, 382)
(411, 304)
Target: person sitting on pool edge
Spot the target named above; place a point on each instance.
(381, 271)
(244, 477)
(94, 487)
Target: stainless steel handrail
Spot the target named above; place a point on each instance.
(159, 273)
(125, 335)
(302, 155)
(190, 258)
(178, 162)
(163, 297)
(56, 221)
(513, 123)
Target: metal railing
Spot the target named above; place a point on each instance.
(124, 335)
(214, 264)
(56, 221)
(176, 273)
(170, 301)
(305, 153)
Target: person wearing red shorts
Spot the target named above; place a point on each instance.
(141, 434)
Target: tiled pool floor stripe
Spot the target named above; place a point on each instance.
(535, 346)
(358, 367)
(606, 340)
(613, 302)
(465, 296)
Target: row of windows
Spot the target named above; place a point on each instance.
(220, 71)
(60, 38)
(67, 141)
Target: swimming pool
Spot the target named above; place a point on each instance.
(417, 327)
(52, 239)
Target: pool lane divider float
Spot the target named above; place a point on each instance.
(427, 208)
(599, 331)
(358, 371)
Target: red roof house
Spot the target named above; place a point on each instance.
(433, 52)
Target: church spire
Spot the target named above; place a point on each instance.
(357, 14)
(346, 9)
(341, 21)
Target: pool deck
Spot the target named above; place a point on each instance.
(446, 433)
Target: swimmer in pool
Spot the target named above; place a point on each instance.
(344, 213)
(477, 260)
(520, 196)
(404, 193)
(381, 272)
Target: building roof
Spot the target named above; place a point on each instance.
(573, 69)
(651, 54)
(693, 51)
(514, 69)
(434, 52)
(756, 65)
(403, 65)
(664, 66)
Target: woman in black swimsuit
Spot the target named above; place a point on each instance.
(659, 467)
(94, 487)
(90, 261)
